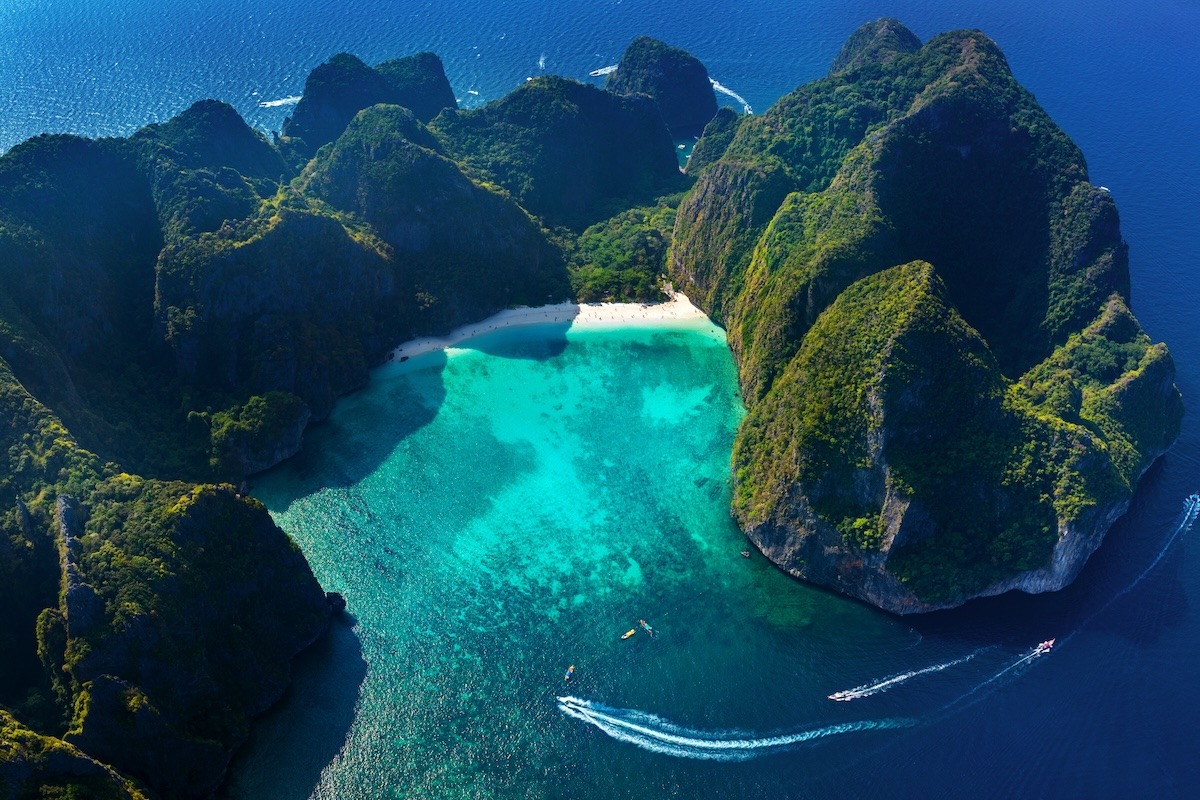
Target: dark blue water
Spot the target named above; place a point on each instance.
(1110, 713)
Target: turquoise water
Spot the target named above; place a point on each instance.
(395, 710)
(501, 513)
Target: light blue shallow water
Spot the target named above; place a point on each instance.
(502, 513)
(472, 589)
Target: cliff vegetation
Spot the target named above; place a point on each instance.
(176, 307)
(967, 423)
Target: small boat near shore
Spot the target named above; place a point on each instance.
(745, 554)
(570, 673)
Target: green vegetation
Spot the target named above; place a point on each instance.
(258, 426)
(946, 424)
(623, 259)
(182, 303)
(673, 78)
(341, 87)
(567, 152)
(714, 141)
(176, 306)
(36, 766)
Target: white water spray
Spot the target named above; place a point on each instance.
(1191, 509)
(725, 90)
(291, 100)
(866, 690)
(661, 736)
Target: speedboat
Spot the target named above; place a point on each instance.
(628, 633)
(570, 672)
(1044, 647)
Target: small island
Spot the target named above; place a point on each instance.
(928, 302)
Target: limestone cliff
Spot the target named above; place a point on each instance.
(183, 303)
(341, 87)
(569, 153)
(918, 461)
(673, 78)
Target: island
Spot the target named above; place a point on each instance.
(928, 303)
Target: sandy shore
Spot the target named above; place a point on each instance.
(587, 315)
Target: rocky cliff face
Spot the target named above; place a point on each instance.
(341, 87)
(171, 613)
(33, 765)
(673, 78)
(202, 603)
(184, 302)
(465, 249)
(567, 152)
(867, 463)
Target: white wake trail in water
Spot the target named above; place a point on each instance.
(1191, 508)
(658, 735)
(653, 733)
(725, 90)
(291, 100)
(1187, 518)
(868, 689)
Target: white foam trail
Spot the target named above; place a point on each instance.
(1191, 509)
(661, 736)
(597, 73)
(866, 690)
(725, 90)
(290, 100)
(542, 62)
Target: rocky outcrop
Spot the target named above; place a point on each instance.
(867, 463)
(673, 78)
(34, 765)
(465, 249)
(564, 150)
(341, 87)
(186, 654)
(877, 42)
(918, 480)
(714, 140)
(171, 615)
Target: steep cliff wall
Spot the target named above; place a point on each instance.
(910, 468)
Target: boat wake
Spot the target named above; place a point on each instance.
(1187, 518)
(283, 101)
(725, 90)
(658, 735)
(866, 690)
(653, 733)
(1191, 509)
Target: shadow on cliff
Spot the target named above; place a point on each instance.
(292, 743)
(401, 399)
(1113, 592)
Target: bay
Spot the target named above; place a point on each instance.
(741, 648)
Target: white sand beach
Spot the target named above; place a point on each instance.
(589, 315)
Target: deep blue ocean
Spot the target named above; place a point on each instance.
(1111, 712)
